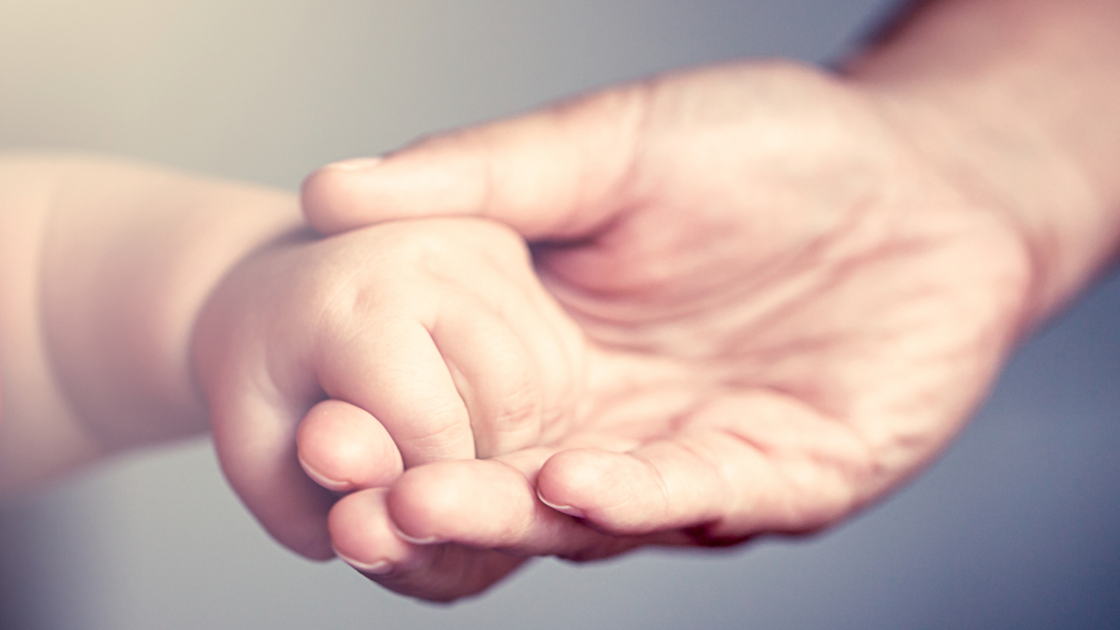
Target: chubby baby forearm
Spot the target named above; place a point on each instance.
(104, 266)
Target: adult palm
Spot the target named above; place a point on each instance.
(788, 309)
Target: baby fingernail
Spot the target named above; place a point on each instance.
(323, 480)
(430, 540)
(356, 164)
(381, 567)
(565, 509)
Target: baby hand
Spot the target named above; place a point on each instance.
(417, 340)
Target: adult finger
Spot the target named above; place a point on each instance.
(493, 504)
(742, 466)
(555, 173)
(452, 528)
(365, 538)
(344, 448)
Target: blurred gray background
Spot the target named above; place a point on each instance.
(1016, 527)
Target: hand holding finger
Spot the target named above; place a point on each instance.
(344, 448)
(365, 538)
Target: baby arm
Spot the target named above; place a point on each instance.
(104, 266)
(136, 304)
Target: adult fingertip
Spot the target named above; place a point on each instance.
(610, 490)
(332, 196)
(354, 165)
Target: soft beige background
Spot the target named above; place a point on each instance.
(1016, 528)
(268, 90)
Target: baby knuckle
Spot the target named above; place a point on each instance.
(521, 407)
(417, 249)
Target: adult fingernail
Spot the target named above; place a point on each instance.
(381, 567)
(355, 164)
(323, 480)
(565, 509)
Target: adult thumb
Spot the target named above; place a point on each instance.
(557, 173)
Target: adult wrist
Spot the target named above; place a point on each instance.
(1014, 102)
(1003, 163)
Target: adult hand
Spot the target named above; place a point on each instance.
(793, 310)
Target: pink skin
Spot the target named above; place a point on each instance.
(788, 312)
(794, 286)
(430, 340)
(764, 296)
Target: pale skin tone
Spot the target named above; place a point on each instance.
(142, 305)
(773, 294)
(809, 281)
